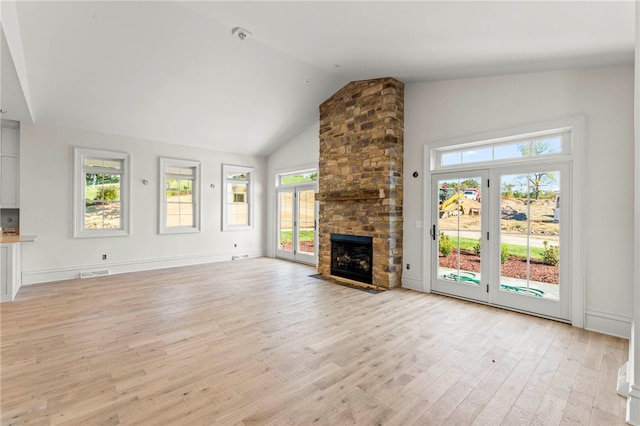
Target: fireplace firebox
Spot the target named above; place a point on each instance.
(352, 257)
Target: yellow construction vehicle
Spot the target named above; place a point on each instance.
(451, 201)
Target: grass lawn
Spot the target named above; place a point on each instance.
(305, 235)
(514, 250)
(465, 244)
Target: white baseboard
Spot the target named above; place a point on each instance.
(60, 274)
(412, 282)
(606, 323)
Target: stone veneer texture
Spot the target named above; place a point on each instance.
(361, 152)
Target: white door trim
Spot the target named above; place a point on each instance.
(576, 124)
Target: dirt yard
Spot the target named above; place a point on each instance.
(516, 215)
(102, 215)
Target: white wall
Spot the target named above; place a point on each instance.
(46, 208)
(437, 111)
(301, 152)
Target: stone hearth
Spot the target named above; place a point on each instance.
(360, 173)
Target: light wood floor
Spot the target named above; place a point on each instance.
(260, 342)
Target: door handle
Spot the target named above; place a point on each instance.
(433, 232)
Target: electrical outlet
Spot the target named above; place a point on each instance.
(104, 257)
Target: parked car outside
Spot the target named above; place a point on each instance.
(472, 194)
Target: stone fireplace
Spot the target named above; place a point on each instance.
(360, 176)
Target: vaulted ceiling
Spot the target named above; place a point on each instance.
(172, 71)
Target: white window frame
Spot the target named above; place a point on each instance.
(281, 175)
(79, 202)
(162, 221)
(226, 169)
(563, 134)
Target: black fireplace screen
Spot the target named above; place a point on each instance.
(352, 257)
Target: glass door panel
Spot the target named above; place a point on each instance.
(458, 234)
(530, 264)
(306, 224)
(285, 224)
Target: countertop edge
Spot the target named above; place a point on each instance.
(14, 239)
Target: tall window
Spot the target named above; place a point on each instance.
(237, 197)
(179, 196)
(101, 193)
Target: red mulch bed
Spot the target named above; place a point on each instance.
(514, 267)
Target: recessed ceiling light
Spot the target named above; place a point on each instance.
(336, 66)
(307, 81)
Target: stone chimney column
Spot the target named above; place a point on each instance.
(360, 173)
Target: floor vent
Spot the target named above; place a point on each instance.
(240, 256)
(91, 274)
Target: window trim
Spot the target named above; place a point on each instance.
(162, 217)
(226, 169)
(281, 175)
(492, 143)
(79, 201)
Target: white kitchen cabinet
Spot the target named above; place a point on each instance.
(10, 168)
(10, 276)
(9, 191)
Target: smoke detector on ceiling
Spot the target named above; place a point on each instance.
(241, 33)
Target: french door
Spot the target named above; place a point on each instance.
(296, 224)
(498, 237)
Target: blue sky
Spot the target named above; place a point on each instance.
(498, 152)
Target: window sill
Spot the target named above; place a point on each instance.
(177, 230)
